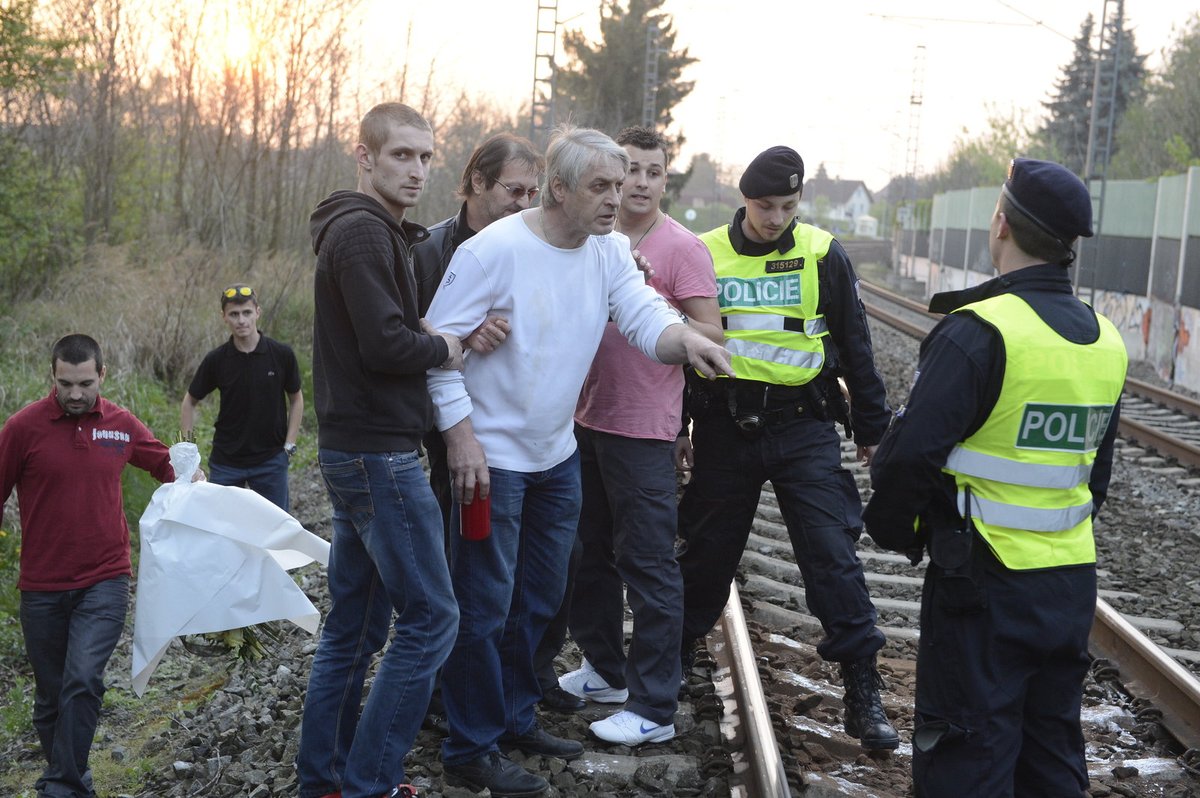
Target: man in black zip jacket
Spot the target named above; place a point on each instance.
(370, 354)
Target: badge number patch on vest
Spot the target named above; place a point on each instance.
(1063, 428)
(780, 266)
(734, 292)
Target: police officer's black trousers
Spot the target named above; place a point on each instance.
(1004, 683)
(820, 505)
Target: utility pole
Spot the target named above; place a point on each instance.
(1103, 120)
(541, 117)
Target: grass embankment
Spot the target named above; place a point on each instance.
(155, 311)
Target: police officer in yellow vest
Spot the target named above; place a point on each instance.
(793, 324)
(998, 464)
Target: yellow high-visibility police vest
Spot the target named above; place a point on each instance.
(769, 303)
(1029, 465)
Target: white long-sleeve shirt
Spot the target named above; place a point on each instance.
(521, 397)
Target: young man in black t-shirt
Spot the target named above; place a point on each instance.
(261, 403)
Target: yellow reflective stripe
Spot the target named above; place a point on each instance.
(776, 355)
(1011, 472)
(1034, 519)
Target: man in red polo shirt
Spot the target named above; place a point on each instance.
(64, 454)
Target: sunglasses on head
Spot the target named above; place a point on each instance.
(237, 290)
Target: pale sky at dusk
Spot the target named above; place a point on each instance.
(832, 80)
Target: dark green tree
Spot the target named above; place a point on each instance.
(1064, 135)
(1162, 135)
(36, 226)
(602, 85)
(32, 64)
(981, 160)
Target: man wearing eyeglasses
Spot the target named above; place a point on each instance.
(258, 379)
(501, 178)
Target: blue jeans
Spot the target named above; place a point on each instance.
(387, 555)
(509, 585)
(268, 479)
(69, 636)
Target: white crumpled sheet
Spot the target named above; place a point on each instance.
(215, 558)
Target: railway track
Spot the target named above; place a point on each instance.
(1136, 684)
(1160, 419)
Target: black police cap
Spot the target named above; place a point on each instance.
(776, 172)
(1052, 197)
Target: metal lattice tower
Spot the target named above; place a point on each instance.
(1105, 85)
(650, 81)
(1104, 91)
(916, 101)
(541, 115)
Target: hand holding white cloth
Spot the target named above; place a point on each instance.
(215, 558)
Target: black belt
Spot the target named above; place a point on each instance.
(754, 419)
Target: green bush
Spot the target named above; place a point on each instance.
(38, 239)
(154, 309)
(17, 708)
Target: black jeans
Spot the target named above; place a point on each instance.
(627, 531)
(69, 637)
(1007, 682)
(820, 505)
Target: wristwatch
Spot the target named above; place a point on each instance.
(289, 448)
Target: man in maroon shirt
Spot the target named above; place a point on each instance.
(64, 454)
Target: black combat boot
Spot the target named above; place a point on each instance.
(865, 718)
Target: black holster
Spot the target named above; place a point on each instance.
(951, 550)
(829, 403)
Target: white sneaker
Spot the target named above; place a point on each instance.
(586, 683)
(630, 728)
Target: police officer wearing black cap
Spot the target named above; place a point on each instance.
(997, 465)
(793, 325)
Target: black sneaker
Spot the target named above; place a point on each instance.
(557, 699)
(539, 741)
(495, 772)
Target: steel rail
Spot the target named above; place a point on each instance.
(899, 299)
(915, 330)
(1150, 673)
(1162, 396)
(1161, 442)
(752, 725)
